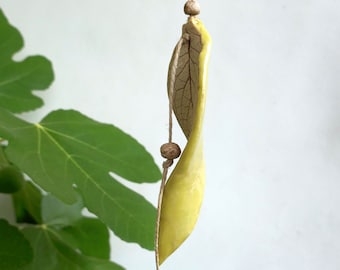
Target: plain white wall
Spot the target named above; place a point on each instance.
(272, 129)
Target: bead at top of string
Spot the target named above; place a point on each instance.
(192, 8)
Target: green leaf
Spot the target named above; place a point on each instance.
(104, 145)
(15, 250)
(68, 153)
(55, 212)
(11, 40)
(52, 253)
(90, 236)
(67, 239)
(11, 179)
(27, 204)
(19, 79)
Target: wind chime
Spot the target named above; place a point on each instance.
(181, 195)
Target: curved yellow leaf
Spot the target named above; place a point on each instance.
(183, 192)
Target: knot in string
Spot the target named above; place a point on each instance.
(167, 164)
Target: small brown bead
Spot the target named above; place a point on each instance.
(192, 8)
(170, 151)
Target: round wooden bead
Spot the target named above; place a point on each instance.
(192, 8)
(170, 150)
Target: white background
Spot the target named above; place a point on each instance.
(272, 127)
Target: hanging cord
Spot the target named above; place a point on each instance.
(171, 150)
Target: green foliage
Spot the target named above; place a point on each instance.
(67, 158)
(18, 79)
(68, 153)
(27, 204)
(11, 179)
(15, 250)
(52, 253)
(63, 233)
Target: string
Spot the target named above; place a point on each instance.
(167, 163)
(191, 8)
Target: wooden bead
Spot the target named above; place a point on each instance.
(170, 151)
(192, 8)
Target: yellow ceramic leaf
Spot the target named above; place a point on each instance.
(183, 192)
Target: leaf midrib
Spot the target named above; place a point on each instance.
(21, 76)
(86, 174)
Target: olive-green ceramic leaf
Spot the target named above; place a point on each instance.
(183, 192)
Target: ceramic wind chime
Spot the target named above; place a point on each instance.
(181, 194)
